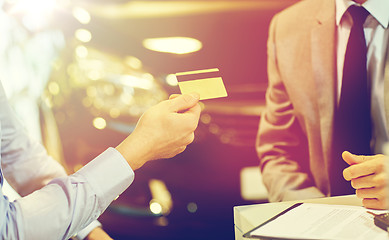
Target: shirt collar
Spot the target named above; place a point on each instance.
(377, 8)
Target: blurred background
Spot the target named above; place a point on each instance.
(80, 74)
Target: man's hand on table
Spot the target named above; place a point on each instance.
(368, 177)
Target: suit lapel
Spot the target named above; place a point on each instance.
(324, 70)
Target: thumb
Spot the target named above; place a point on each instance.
(352, 159)
(184, 102)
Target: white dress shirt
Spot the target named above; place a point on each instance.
(66, 204)
(377, 40)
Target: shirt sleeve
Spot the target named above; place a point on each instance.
(24, 162)
(82, 234)
(68, 204)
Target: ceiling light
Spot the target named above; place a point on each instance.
(175, 45)
(158, 9)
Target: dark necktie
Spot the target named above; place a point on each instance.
(352, 123)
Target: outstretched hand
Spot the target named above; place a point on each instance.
(163, 131)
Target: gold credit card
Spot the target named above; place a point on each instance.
(207, 82)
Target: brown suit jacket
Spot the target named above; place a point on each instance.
(295, 131)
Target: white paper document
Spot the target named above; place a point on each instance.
(321, 221)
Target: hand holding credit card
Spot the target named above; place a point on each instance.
(208, 83)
